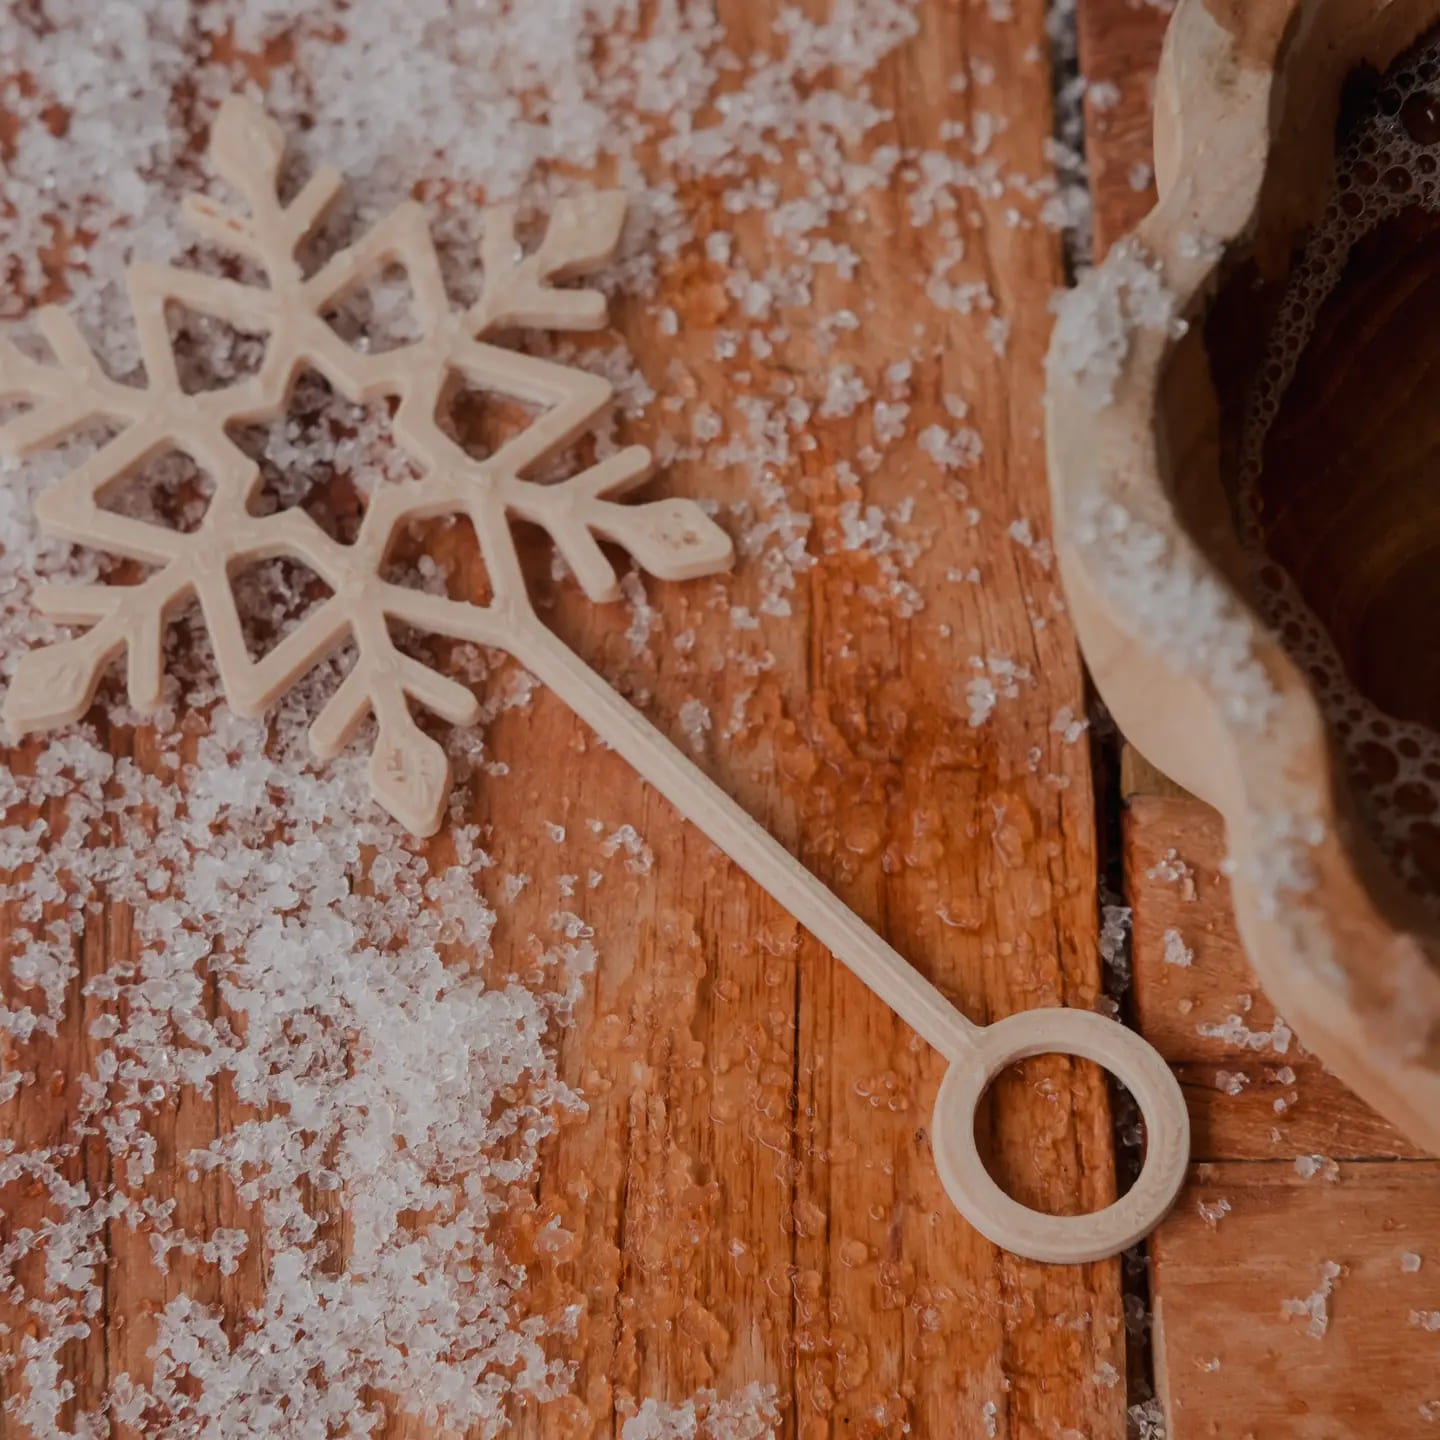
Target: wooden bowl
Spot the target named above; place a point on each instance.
(1153, 357)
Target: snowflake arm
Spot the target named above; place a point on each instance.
(583, 235)
(671, 538)
(61, 398)
(247, 149)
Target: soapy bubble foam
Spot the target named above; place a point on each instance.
(1388, 163)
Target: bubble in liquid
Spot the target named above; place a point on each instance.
(1383, 167)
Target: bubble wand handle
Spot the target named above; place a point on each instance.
(976, 1053)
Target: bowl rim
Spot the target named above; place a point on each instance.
(1350, 959)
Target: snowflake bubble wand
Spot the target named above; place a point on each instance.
(409, 773)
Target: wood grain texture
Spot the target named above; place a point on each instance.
(1119, 46)
(776, 1104)
(1292, 1170)
(1237, 1364)
(750, 1194)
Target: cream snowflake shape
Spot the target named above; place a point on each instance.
(409, 772)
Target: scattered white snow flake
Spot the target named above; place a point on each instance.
(750, 1414)
(889, 420)
(1194, 621)
(994, 678)
(990, 1415)
(1147, 1421)
(1097, 320)
(958, 449)
(845, 392)
(639, 857)
(1170, 869)
(1115, 944)
(1426, 1319)
(1196, 245)
(1213, 1212)
(1141, 176)
(1023, 534)
(980, 697)
(1231, 1082)
(1103, 94)
(643, 618)
(1235, 1032)
(1410, 1262)
(706, 424)
(1177, 952)
(695, 722)
(1307, 1167)
(1315, 1307)
(1067, 726)
(898, 375)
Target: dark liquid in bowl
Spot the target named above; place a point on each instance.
(1338, 491)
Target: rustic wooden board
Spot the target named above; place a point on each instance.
(1307, 1172)
(1119, 44)
(744, 1088)
(1292, 1171)
(1235, 1363)
(750, 1195)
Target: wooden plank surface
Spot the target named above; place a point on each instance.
(748, 1195)
(1253, 1345)
(1119, 46)
(1293, 1173)
(1253, 1337)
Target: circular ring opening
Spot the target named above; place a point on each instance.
(1062, 1239)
